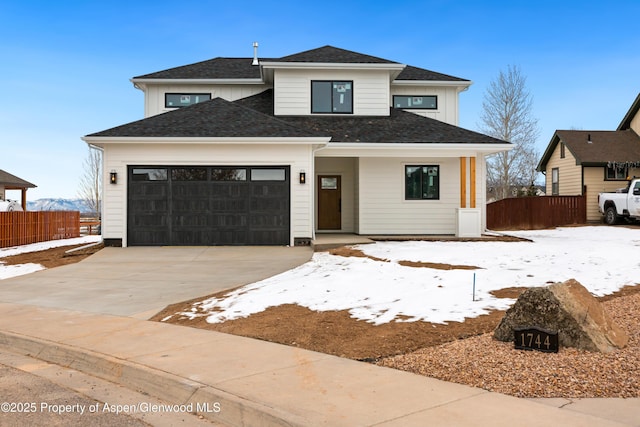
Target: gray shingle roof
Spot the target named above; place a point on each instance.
(216, 68)
(415, 73)
(215, 118)
(605, 146)
(399, 127)
(241, 68)
(8, 180)
(330, 54)
(253, 117)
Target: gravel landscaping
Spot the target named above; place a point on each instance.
(496, 366)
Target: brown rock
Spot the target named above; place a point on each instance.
(569, 309)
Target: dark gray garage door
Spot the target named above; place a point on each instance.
(240, 205)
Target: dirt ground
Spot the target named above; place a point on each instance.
(333, 332)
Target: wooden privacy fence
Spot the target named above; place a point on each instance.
(534, 213)
(23, 228)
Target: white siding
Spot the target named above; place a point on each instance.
(118, 156)
(292, 90)
(154, 96)
(345, 168)
(383, 208)
(447, 101)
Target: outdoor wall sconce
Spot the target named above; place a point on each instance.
(113, 177)
(303, 177)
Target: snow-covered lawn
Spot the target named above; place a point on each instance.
(603, 259)
(7, 271)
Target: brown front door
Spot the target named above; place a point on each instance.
(329, 203)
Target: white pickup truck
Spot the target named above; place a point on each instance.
(624, 203)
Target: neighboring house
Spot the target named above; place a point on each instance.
(578, 162)
(248, 151)
(12, 182)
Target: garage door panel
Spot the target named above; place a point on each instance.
(208, 206)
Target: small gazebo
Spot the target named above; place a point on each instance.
(12, 182)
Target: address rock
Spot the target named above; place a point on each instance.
(569, 309)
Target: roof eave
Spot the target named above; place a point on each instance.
(439, 149)
(247, 81)
(462, 84)
(333, 65)
(300, 140)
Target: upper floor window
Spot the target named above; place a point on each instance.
(415, 102)
(562, 151)
(175, 100)
(332, 97)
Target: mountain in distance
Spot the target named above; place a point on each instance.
(58, 205)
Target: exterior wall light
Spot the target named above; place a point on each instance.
(303, 177)
(113, 177)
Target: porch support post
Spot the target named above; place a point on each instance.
(472, 172)
(463, 182)
(24, 199)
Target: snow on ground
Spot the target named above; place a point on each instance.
(603, 259)
(7, 271)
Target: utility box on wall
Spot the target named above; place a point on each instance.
(468, 222)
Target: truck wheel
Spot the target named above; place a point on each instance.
(610, 215)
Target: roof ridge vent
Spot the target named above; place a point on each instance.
(255, 54)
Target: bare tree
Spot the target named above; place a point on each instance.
(91, 182)
(507, 115)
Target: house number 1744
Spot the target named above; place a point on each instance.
(536, 339)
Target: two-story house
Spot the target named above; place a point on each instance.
(255, 151)
(588, 162)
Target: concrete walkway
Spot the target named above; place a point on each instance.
(252, 382)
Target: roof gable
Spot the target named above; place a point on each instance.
(216, 118)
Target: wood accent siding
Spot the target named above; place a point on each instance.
(382, 208)
(292, 91)
(463, 182)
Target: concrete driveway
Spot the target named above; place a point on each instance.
(140, 281)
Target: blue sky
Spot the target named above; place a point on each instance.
(66, 65)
